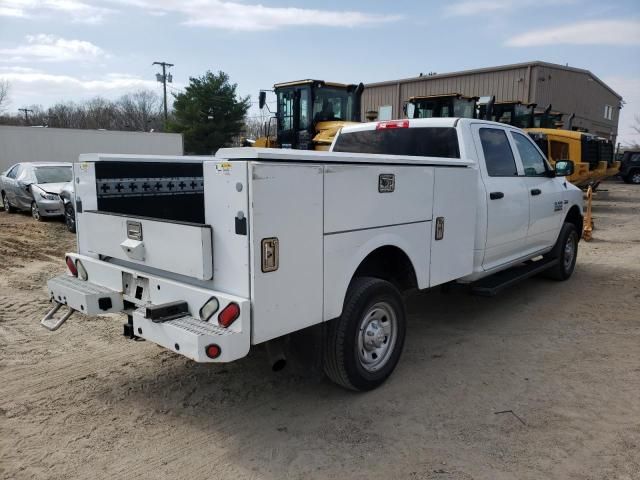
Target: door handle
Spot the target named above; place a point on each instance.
(496, 195)
(536, 191)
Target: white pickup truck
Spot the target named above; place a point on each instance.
(209, 256)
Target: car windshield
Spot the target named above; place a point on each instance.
(53, 174)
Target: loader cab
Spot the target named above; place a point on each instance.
(548, 118)
(308, 111)
(513, 113)
(439, 106)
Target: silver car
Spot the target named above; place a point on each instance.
(35, 187)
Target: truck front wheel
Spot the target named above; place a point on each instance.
(566, 252)
(363, 346)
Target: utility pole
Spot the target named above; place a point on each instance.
(164, 78)
(26, 114)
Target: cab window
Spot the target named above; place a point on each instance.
(532, 161)
(285, 107)
(497, 153)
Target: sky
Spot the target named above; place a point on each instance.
(70, 50)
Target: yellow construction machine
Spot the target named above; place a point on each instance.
(446, 105)
(309, 113)
(592, 155)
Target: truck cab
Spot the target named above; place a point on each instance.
(522, 200)
(441, 106)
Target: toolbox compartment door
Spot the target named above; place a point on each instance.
(178, 247)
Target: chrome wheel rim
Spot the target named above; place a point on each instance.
(5, 203)
(569, 252)
(377, 335)
(34, 212)
(635, 178)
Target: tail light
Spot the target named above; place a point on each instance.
(72, 266)
(212, 351)
(392, 124)
(229, 314)
(81, 271)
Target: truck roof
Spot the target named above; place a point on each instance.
(442, 122)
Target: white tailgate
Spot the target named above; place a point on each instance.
(181, 248)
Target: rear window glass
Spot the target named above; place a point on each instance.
(53, 174)
(422, 142)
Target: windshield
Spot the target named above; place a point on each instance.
(333, 104)
(523, 115)
(464, 108)
(53, 174)
(444, 107)
(430, 108)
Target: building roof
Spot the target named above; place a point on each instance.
(498, 68)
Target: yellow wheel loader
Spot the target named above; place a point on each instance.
(592, 155)
(309, 113)
(447, 105)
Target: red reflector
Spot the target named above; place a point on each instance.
(72, 266)
(229, 315)
(392, 124)
(213, 350)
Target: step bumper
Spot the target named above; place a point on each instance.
(191, 336)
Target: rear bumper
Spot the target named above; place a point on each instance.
(188, 335)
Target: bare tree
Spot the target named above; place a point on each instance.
(141, 111)
(4, 94)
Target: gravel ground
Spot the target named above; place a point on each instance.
(562, 360)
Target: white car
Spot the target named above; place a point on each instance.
(35, 187)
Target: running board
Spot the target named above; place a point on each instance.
(490, 286)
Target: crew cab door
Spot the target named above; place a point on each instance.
(506, 196)
(546, 206)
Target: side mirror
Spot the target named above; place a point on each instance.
(262, 99)
(564, 168)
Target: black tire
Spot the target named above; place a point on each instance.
(70, 218)
(35, 212)
(567, 254)
(633, 177)
(7, 206)
(368, 302)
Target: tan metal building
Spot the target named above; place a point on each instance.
(569, 90)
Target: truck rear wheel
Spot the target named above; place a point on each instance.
(363, 346)
(566, 250)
